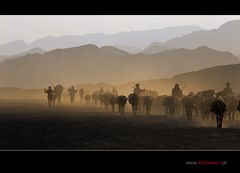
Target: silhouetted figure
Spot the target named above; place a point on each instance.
(87, 99)
(50, 93)
(101, 97)
(169, 105)
(58, 90)
(147, 100)
(72, 91)
(188, 104)
(137, 90)
(177, 96)
(227, 91)
(106, 98)
(219, 108)
(133, 100)
(176, 91)
(113, 100)
(203, 100)
(95, 98)
(114, 91)
(81, 94)
(121, 100)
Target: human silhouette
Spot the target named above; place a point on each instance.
(50, 93)
(227, 90)
(72, 91)
(81, 94)
(177, 92)
(114, 91)
(137, 90)
(58, 90)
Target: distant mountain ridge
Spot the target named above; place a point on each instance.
(89, 63)
(224, 38)
(133, 39)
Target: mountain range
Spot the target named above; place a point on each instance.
(128, 41)
(89, 63)
(224, 38)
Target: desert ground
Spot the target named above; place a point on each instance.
(32, 125)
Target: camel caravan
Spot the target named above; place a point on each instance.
(204, 104)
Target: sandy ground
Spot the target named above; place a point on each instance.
(32, 125)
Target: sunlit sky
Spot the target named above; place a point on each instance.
(30, 27)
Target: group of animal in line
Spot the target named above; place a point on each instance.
(202, 104)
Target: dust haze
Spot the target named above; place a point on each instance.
(174, 87)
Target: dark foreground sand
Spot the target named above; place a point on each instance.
(32, 125)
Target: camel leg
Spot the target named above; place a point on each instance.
(221, 120)
(217, 121)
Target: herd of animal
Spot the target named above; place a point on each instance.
(203, 104)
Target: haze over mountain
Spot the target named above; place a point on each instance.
(134, 39)
(14, 47)
(225, 38)
(35, 50)
(91, 64)
(209, 78)
(155, 47)
(129, 49)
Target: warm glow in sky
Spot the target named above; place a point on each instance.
(30, 27)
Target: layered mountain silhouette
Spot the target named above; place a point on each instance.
(224, 38)
(89, 63)
(127, 40)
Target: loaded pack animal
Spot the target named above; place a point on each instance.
(207, 97)
(157, 105)
(87, 98)
(101, 100)
(178, 105)
(133, 100)
(95, 98)
(231, 103)
(58, 91)
(113, 100)
(121, 101)
(106, 99)
(147, 101)
(169, 105)
(189, 106)
(218, 107)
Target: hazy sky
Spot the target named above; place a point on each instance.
(30, 27)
